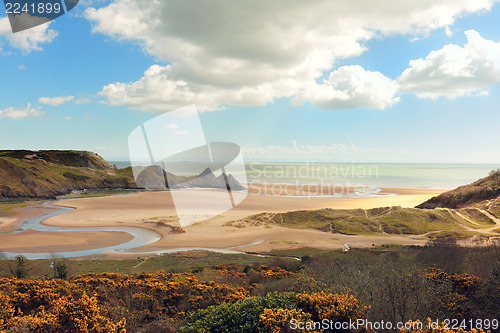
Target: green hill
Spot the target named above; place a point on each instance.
(32, 174)
(49, 173)
(384, 220)
(484, 189)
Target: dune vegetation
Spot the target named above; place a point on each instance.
(259, 294)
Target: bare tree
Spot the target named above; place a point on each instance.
(20, 267)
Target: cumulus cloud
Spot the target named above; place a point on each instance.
(83, 100)
(157, 91)
(27, 40)
(249, 53)
(55, 101)
(351, 87)
(18, 114)
(455, 71)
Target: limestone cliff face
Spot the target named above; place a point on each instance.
(154, 177)
(207, 179)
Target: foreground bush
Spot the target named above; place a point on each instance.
(217, 298)
(50, 306)
(274, 312)
(105, 302)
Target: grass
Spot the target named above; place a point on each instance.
(476, 216)
(251, 221)
(461, 220)
(96, 194)
(494, 209)
(283, 241)
(175, 263)
(340, 221)
(32, 178)
(390, 220)
(454, 234)
(483, 189)
(200, 262)
(7, 207)
(297, 253)
(413, 221)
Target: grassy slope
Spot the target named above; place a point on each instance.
(180, 262)
(37, 177)
(389, 220)
(487, 188)
(28, 174)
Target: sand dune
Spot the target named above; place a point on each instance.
(140, 209)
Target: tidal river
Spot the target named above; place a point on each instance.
(141, 236)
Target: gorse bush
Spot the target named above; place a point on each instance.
(397, 286)
(273, 313)
(100, 302)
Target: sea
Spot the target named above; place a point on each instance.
(435, 176)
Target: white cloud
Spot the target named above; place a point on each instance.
(83, 100)
(55, 101)
(4, 26)
(22, 67)
(455, 71)
(250, 53)
(67, 118)
(27, 40)
(156, 91)
(351, 87)
(18, 114)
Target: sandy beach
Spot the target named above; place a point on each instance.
(34, 241)
(145, 209)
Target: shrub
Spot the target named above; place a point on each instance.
(20, 268)
(61, 270)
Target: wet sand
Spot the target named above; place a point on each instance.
(145, 209)
(31, 241)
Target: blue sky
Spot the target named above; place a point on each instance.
(295, 83)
